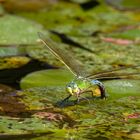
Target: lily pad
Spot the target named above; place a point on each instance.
(15, 126)
(99, 118)
(17, 30)
(12, 51)
(125, 4)
(80, 23)
(108, 117)
(133, 34)
(56, 77)
(13, 62)
(122, 88)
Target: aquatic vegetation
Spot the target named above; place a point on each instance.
(101, 38)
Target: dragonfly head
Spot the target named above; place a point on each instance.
(73, 89)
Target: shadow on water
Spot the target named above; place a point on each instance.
(12, 77)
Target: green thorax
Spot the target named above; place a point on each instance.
(83, 83)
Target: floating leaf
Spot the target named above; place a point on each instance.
(57, 77)
(121, 88)
(13, 62)
(12, 51)
(125, 4)
(133, 34)
(17, 30)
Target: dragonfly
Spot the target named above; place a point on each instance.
(83, 81)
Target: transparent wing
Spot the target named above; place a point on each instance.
(125, 72)
(72, 64)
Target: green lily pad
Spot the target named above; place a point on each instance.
(133, 34)
(12, 51)
(99, 114)
(125, 4)
(25, 126)
(17, 30)
(130, 4)
(56, 77)
(97, 119)
(107, 116)
(41, 53)
(13, 62)
(121, 88)
(80, 23)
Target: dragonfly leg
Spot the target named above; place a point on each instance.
(76, 101)
(64, 100)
